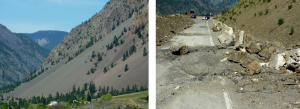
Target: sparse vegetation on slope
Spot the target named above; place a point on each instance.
(20, 56)
(74, 58)
(267, 26)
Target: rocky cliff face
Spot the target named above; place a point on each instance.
(19, 56)
(114, 13)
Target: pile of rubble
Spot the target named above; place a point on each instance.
(170, 25)
(257, 56)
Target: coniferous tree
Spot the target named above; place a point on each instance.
(112, 65)
(145, 52)
(126, 68)
(92, 88)
(125, 30)
(105, 70)
(124, 57)
(127, 55)
(89, 98)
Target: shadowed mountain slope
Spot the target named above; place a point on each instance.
(19, 56)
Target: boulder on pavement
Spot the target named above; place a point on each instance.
(291, 64)
(215, 29)
(293, 59)
(240, 42)
(277, 61)
(236, 56)
(265, 53)
(253, 68)
(254, 48)
(251, 44)
(219, 26)
(229, 30)
(229, 40)
(246, 61)
(223, 37)
(179, 50)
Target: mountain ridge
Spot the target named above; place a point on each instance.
(47, 38)
(19, 56)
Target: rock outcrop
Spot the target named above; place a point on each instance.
(256, 55)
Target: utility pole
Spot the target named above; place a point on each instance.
(224, 6)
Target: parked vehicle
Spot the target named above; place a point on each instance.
(204, 18)
(193, 15)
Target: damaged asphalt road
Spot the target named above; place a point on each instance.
(204, 78)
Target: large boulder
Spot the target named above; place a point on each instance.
(265, 53)
(240, 41)
(293, 59)
(237, 56)
(229, 40)
(253, 48)
(246, 61)
(222, 38)
(229, 30)
(292, 64)
(179, 50)
(277, 61)
(252, 45)
(215, 29)
(253, 68)
(219, 26)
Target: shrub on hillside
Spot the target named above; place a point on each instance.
(269, 1)
(275, 6)
(260, 13)
(280, 21)
(126, 68)
(254, 14)
(290, 6)
(234, 19)
(105, 70)
(292, 30)
(267, 11)
(294, 1)
(93, 70)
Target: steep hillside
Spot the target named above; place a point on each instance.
(167, 7)
(260, 18)
(114, 13)
(98, 50)
(47, 38)
(19, 56)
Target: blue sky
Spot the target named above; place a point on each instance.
(28, 16)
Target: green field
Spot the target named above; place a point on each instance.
(136, 99)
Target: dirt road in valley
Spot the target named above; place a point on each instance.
(200, 80)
